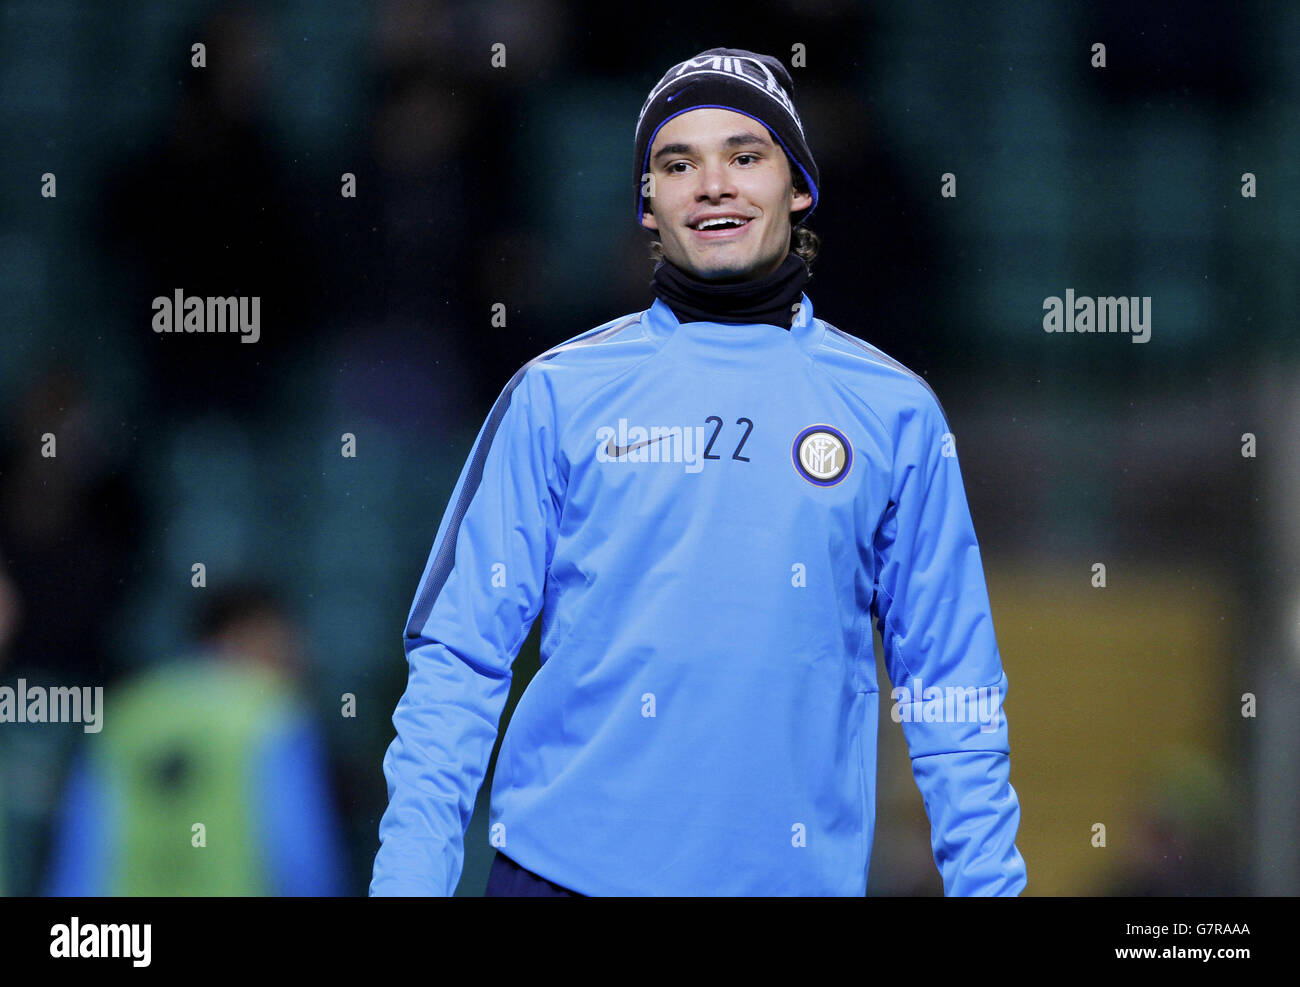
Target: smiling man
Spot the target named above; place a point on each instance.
(708, 502)
(725, 191)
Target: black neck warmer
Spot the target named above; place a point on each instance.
(769, 300)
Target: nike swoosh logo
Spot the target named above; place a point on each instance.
(613, 451)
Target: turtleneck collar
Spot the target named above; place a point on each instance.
(769, 300)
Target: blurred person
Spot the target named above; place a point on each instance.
(213, 208)
(71, 519)
(396, 293)
(221, 740)
(707, 501)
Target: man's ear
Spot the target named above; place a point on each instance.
(800, 200)
(648, 218)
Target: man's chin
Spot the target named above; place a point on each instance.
(719, 270)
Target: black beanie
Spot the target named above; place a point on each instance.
(758, 86)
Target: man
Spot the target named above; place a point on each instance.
(707, 501)
(220, 738)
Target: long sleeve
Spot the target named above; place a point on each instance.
(299, 829)
(84, 843)
(481, 590)
(932, 609)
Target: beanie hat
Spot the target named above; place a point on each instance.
(758, 86)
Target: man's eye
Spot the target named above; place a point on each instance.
(753, 156)
(674, 165)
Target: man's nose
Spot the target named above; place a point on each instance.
(716, 181)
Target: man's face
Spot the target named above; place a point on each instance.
(711, 163)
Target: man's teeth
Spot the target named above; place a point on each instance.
(705, 224)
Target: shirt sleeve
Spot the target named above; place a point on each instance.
(932, 610)
(481, 590)
(84, 843)
(300, 832)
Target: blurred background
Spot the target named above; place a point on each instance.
(478, 185)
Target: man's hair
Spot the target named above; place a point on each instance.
(236, 602)
(803, 241)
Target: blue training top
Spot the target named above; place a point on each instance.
(707, 517)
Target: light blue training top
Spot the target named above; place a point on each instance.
(707, 517)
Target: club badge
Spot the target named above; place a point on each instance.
(822, 455)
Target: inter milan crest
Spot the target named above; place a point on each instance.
(822, 455)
